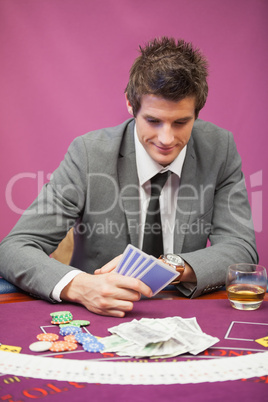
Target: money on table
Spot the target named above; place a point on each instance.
(160, 337)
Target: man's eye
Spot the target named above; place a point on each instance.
(180, 123)
(152, 121)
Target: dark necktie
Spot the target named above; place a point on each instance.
(152, 239)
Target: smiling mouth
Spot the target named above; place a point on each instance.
(165, 149)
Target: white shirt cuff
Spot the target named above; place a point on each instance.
(55, 295)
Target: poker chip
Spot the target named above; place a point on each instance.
(93, 346)
(70, 330)
(40, 346)
(68, 324)
(61, 317)
(47, 337)
(60, 322)
(82, 337)
(62, 346)
(80, 323)
(70, 338)
(58, 313)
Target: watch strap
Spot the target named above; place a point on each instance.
(177, 280)
(179, 268)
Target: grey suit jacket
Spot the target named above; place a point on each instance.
(95, 189)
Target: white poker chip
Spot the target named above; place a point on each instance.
(40, 346)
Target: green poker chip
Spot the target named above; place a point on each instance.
(57, 313)
(61, 317)
(70, 323)
(80, 323)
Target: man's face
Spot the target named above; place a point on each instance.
(164, 127)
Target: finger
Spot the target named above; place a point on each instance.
(116, 287)
(109, 267)
(111, 313)
(133, 285)
(120, 308)
(116, 308)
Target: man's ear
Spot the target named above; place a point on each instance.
(129, 107)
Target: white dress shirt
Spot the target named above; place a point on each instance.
(147, 168)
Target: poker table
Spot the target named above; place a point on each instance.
(23, 318)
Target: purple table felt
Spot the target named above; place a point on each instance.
(237, 331)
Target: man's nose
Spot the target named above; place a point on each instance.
(166, 136)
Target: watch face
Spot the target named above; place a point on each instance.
(174, 259)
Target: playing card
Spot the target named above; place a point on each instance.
(131, 259)
(125, 256)
(136, 266)
(142, 267)
(147, 268)
(158, 275)
(136, 258)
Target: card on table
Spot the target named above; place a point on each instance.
(148, 269)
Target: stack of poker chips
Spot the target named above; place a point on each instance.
(89, 342)
(61, 317)
(71, 331)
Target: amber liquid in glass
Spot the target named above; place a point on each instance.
(245, 297)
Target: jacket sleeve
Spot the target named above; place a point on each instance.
(231, 237)
(24, 253)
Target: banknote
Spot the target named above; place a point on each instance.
(158, 337)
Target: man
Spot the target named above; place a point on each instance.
(102, 190)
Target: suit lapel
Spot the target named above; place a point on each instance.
(129, 189)
(129, 184)
(185, 197)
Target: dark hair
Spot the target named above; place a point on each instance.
(170, 70)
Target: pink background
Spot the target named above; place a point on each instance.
(64, 67)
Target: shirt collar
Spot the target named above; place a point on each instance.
(147, 167)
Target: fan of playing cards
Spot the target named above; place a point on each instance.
(153, 272)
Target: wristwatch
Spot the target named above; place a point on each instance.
(176, 262)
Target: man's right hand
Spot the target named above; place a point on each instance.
(107, 293)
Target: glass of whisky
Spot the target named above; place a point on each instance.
(246, 285)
